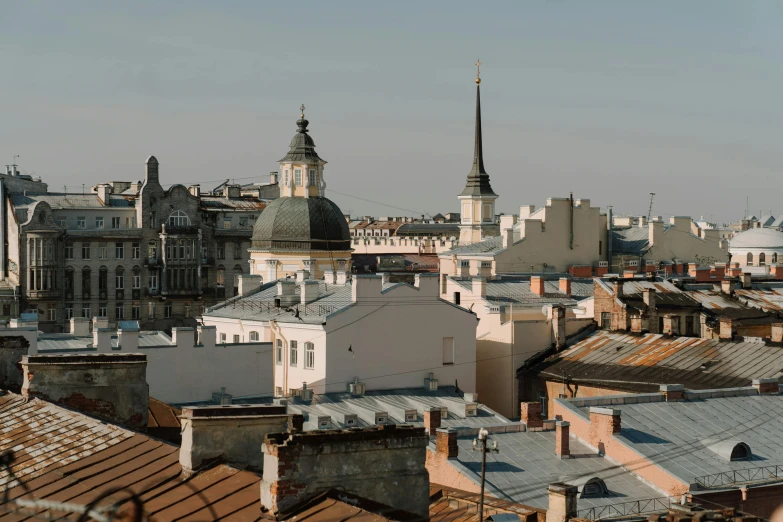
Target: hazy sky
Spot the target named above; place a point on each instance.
(611, 100)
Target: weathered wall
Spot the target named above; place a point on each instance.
(110, 386)
(12, 349)
(555, 389)
(443, 473)
(760, 501)
(385, 464)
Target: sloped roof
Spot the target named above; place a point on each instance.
(487, 247)
(72, 201)
(642, 362)
(509, 290)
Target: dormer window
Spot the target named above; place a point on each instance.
(179, 219)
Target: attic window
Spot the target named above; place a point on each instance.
(380, 420)
(730, 450)
(593, 488)
(349, 422)
(741, 452)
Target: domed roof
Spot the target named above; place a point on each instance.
(758, 238)
(297, 223)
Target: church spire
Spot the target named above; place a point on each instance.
(478, 179)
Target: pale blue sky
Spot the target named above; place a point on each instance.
(610, 99)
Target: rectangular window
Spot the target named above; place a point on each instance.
(237, 250)
(99, 222)
(135, 250)
(309, 355)
(136, 281)
(68, 312)
(119, 250)
(606, 320)
(221, 251)
(298, 177)
(102, 251)
(236, 339)
(115, 222)
(102, 310)
(81, 222)
(61, 222)
(167, 311)
(152, 219)
(119, 312)
(294, 353)
(130, 222)
(688, 325)
(448, 350)
(69, 251)
(187, 310)
(600, 248)
(151, 310)
(119, 281)
(286, 178)
(86, 312)
(53, 314)
(227, 223)
(152, 281)
(223, 338)
(279, 352)
(313, 178)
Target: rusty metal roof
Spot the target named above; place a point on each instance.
(455, 505)
(641, 362)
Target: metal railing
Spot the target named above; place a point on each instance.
(636, 507)
(740, 476)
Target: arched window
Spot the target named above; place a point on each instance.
(750, 259)
(178, 219)
(762, 259)
(309, 355)
(774, 257)
(253, 337)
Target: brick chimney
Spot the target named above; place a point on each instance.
(673, 392)
(537, 285)
(562, 502)
(767, 386)
(776, 333)
(565, 286)
(562, 447)
(530, 414)
(604, 422)
(233, 433)
(726, 332)
(618, 288)
(110, 386)
(446, 443)
(432, 420)
(727, 287)
(384, 464)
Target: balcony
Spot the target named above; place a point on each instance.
(181, 292)
(151, 292)
(187, 230)
(43, 294)
(234, 232)
(152, 261)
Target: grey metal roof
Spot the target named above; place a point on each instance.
(679, 436)
(642, 362)
(517, 291)
(296, 223)
(72, 201)
(634, 240)
(225, 203)
(526, 464)
(261, 305)
(302, 147)
(66, 342)
(416, 229)
(487, 247)
(757, 238)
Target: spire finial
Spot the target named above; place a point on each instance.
(478, 71)
(302, 108)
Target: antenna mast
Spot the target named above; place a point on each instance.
(649, 212)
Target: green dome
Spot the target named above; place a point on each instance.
(296, 223)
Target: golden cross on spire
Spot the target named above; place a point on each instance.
(478, 71)
(302, 108)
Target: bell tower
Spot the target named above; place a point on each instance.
(477, 201)
(301, 170)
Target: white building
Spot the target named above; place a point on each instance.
(757, 247)
(330, 333)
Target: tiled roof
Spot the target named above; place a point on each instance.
(681, 437)
(641, 362)
(526, 464)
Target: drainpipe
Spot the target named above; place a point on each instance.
(610, 228)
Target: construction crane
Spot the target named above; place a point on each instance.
(649, 212)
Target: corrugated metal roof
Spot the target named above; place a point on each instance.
(73, 201)
(454, 505)
(517, 291)
(642, 362)
(68, 342)
(226, 203)
(413, 229)
(634, 240)
(486, 247)
(526, 464)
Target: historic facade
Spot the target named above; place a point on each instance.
(125, 250)
(301, 230)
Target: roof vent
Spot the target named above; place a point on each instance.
(729, 450)
(356, 388)
(307, 393)
(590, 487)
(431, 383)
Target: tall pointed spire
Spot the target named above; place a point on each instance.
(478, 179)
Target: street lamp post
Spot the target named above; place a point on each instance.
(481, 444)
